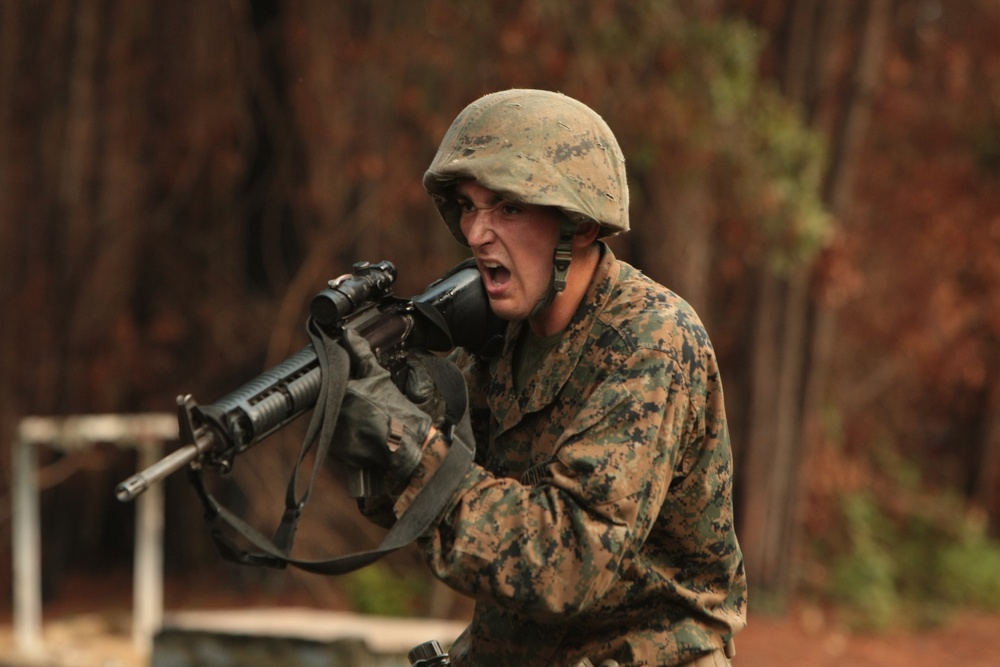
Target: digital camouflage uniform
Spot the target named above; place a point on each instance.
(597, 521)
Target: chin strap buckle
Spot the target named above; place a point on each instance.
(563, 255)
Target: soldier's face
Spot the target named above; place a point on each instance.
(513, 245)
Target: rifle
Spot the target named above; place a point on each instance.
(453, 311)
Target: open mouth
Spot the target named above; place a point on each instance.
(495, 274)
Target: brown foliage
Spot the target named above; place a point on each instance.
(178, 178)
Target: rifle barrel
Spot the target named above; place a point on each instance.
(132, 487)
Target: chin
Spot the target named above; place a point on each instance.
(506, 313)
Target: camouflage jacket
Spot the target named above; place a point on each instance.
(598, 518)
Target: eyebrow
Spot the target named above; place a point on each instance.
(496, 199)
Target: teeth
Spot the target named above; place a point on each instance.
(494, 270)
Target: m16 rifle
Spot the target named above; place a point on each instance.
(453, 311)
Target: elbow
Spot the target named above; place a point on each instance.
(562, 599)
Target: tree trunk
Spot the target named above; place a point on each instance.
(791, 360)
(986, 489)
(674, 244)
(759, 535)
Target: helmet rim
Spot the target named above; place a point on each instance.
(534, 147)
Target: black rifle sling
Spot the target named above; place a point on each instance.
(416, 521)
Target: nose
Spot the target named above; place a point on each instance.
(478, 227)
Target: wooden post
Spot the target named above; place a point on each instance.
(147, 575)
(27, 548)
(146, 433)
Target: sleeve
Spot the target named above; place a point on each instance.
(553, 549)
(475, 371)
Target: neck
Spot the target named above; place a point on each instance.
(558, 314)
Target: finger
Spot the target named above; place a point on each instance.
(419, 385)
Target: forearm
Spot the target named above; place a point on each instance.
(534, 549)
(433, 452)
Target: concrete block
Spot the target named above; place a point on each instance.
(292, 638)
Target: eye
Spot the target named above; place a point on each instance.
(465, 206)
(509, 209)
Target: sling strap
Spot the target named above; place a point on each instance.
(414, 522)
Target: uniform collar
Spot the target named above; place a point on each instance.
(508, 405)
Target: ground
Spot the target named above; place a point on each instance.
(82, 633)
(802, 638)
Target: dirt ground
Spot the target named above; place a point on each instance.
(802, 638)
(101, 640)
(93, 630)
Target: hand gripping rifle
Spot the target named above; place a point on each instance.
(453, 311)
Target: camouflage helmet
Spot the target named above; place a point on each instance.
(534, 147)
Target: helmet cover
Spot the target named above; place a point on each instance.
(534, 147)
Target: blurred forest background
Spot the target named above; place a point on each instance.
(820, 179)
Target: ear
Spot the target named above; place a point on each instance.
(585, 234)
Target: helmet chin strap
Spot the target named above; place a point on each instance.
(560, 266)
